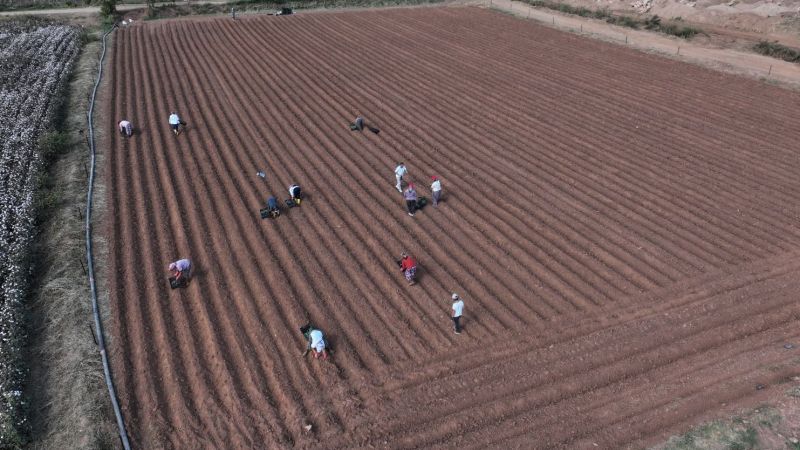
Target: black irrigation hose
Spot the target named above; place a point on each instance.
(88, 226)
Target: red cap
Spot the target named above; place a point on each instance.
(434, 177)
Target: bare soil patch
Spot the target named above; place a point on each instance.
(621, 226)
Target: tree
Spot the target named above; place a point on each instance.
(108, 8)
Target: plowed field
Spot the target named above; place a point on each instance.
(623, 230)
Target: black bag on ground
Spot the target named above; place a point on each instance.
(179, 283)
(421, 202)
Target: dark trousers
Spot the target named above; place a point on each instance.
(456, 324)
(411, 205)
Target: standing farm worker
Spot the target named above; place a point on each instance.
(125, 128)
(410, 195)
(315, 341)
(409, 268)
(458, 310)
(181, 269)
(294, 193)
(175, 122)
(436, 190)
(399, 172)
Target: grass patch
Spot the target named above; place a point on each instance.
(718, 434)
(737, 433)
(776, 50)
(53, 144)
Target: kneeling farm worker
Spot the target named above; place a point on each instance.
(315, 341)
(409, 268)
(181, 273)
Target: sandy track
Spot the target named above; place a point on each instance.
(622, 228)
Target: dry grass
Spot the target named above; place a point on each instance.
(69, 405)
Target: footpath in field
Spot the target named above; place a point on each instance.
(621, 226)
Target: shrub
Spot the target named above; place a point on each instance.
(679, 31)
(653, 23)
(777, 50)
(624, 21)
(108, 8)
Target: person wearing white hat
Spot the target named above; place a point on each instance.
(458, 310)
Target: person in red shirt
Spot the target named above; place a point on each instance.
(409, 267)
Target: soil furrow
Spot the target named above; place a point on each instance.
(516, 128)
(770, 273)
(758, 180)
(230, 267)
(701, 242)
(651, 359)
(282, 162)
(390, 225)
(607, 270)
(623, 222)
(462, 218)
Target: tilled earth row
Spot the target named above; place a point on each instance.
(622, 228)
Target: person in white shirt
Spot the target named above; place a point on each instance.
(175, 122)
(315, 341)
(181, 272)
(399, 172)
(125, 128)
(294, 193)
(436, 189)
(458, 310)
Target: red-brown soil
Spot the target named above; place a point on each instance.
(623, 229)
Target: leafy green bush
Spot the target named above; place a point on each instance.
(108, 8)
(777, 50)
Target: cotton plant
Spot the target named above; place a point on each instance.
(35, 63)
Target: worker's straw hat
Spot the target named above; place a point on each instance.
(172, 266)
(455, 296)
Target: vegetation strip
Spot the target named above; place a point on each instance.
(777, 50)
(653, 23)
(35, 63)
(176, 9)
